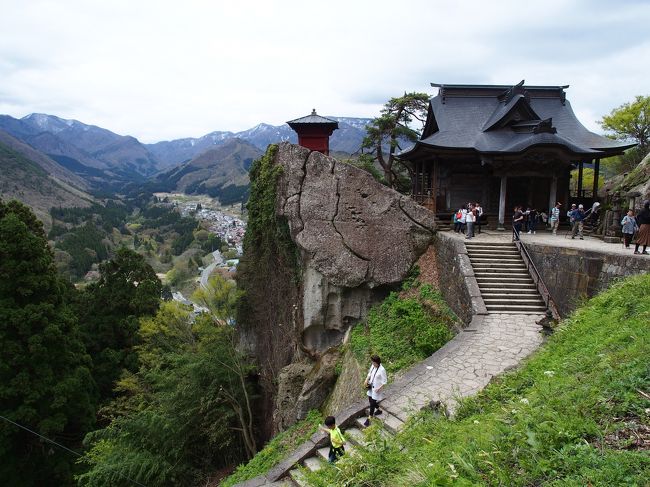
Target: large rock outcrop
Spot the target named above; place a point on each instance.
(356, 236)
(325, 242)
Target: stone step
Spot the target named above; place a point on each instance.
(490, 244)
(355, 436)
(391, 423)
(298, 478)
(282, 483)
(499, 264)
(506, 308)
(313, 463)
(504, 251)
(497, 272)
(513, 301)
(507, 278)
(509, 291)
(323, 453)
(489, 258)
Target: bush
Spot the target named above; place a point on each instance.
(403, 331)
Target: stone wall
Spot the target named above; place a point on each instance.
(456, 278)
(571, 275)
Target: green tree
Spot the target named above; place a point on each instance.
(179, 424)
(393, 127)
(109, 309)
(630, 122)
(45, 380)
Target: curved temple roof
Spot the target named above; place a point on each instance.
(500, 120)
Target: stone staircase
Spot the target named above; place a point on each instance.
(354, 437)
(503, 279)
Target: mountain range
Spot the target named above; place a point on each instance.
(37, 180)
(106, 161)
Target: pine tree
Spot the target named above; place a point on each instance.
(45, 381)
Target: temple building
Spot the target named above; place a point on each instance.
(503, 146)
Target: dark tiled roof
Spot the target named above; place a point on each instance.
(313, 118)
(493, 119)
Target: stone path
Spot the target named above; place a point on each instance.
(465, 365)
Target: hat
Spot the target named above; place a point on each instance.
(580, 206)
(572, 205)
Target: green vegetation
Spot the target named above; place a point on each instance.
(573, 414)
(126, 290)
(276, 450)
(386, 132)
(404, 330)
(184, 413)
(45, 379)
(630, 122)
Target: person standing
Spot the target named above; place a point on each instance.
(463, 219)
(479, 215)
(470, 218)
(578, 222)
(643, 221)
(532, 221)
(629, 227)
(375, 382)
(555, 217)
(517, 222)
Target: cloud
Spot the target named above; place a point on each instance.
(166, 69)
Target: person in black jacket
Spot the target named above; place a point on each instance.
(643, 220)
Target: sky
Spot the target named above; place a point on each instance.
(162, 70)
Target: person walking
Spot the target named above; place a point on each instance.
(629, 227)
(578, 222)
(569, 215)
(517, 222)
(337, 440)
(643, 221)
(555, 217)
(479, 215)
(374, 383)
(470, 219)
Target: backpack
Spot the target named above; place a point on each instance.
(459, 215)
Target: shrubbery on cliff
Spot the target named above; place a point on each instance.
(405, 328)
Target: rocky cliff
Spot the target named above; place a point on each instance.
(336, 243)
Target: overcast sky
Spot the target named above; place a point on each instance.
(161, 70)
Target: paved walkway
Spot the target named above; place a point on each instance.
(465, 365)
(559, 240)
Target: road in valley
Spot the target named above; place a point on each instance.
(218, 260)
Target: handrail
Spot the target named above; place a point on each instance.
(537, 277)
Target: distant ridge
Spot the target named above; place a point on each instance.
(109, 162)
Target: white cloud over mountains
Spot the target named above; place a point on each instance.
(167, 69)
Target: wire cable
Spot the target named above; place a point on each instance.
(62, 446)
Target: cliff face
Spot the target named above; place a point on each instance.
(353, 239)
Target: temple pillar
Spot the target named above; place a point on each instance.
(552, 197)
(502, 203)
(596, 171)
(580, 165)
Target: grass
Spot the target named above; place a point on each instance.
(405, 328)
(276, 450)
(574, 414)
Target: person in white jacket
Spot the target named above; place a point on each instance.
(375, 382)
